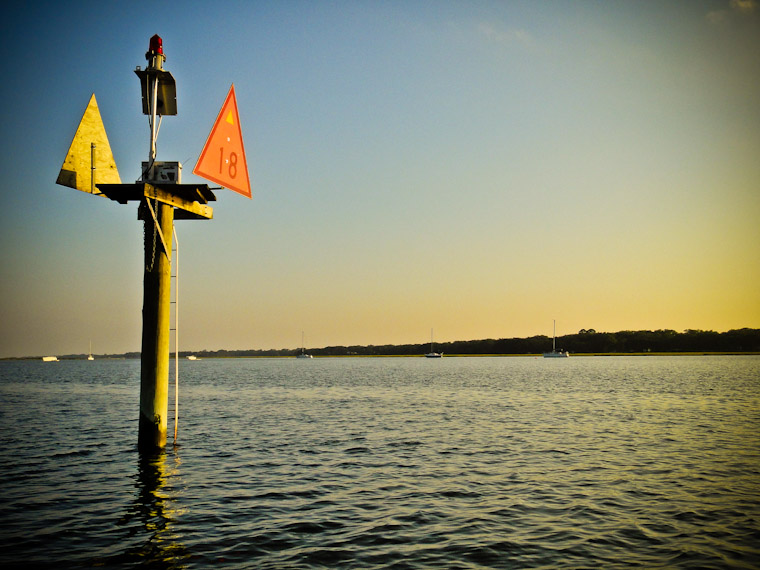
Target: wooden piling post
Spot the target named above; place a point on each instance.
(154, 372)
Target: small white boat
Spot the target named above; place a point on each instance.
(433, 353)
(192, 357)
(556, 353)
(49, 359)
(303, 353)
(90, 356)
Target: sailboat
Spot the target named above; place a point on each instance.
(433, 353)
(556, 353)
(303, 354)
(90, 356)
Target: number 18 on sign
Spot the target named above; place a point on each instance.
(223, 157)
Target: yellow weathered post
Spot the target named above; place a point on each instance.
(154, 370)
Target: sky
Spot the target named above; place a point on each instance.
(479, 169)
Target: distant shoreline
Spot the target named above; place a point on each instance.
(587, 342)
(286, 356)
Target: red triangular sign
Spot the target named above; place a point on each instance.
(223, 157)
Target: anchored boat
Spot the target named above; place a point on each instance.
(556, 353)
(433, 353)
(303, 353)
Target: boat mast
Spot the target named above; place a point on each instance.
(554, 337)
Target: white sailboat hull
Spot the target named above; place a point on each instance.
(562, 354)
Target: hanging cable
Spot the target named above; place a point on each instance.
(176, 333)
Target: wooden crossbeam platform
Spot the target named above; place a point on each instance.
(190, 200)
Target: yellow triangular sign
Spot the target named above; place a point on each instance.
(89, 161)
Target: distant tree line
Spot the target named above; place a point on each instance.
(585, 341)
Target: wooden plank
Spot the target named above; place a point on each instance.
(190, 199)
(180, 214)
(162, 195)
(122, 193)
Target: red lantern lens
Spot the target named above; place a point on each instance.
(156, 45)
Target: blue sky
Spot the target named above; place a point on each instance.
(480, 168)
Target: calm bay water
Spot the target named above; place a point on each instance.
(624, 462)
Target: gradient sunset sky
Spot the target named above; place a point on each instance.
(480, 168)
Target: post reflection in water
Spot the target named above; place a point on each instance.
(153, 512)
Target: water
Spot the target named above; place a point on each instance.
(625, 462)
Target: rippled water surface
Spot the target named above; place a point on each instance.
(649, 462)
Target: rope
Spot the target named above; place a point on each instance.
(176, 333)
